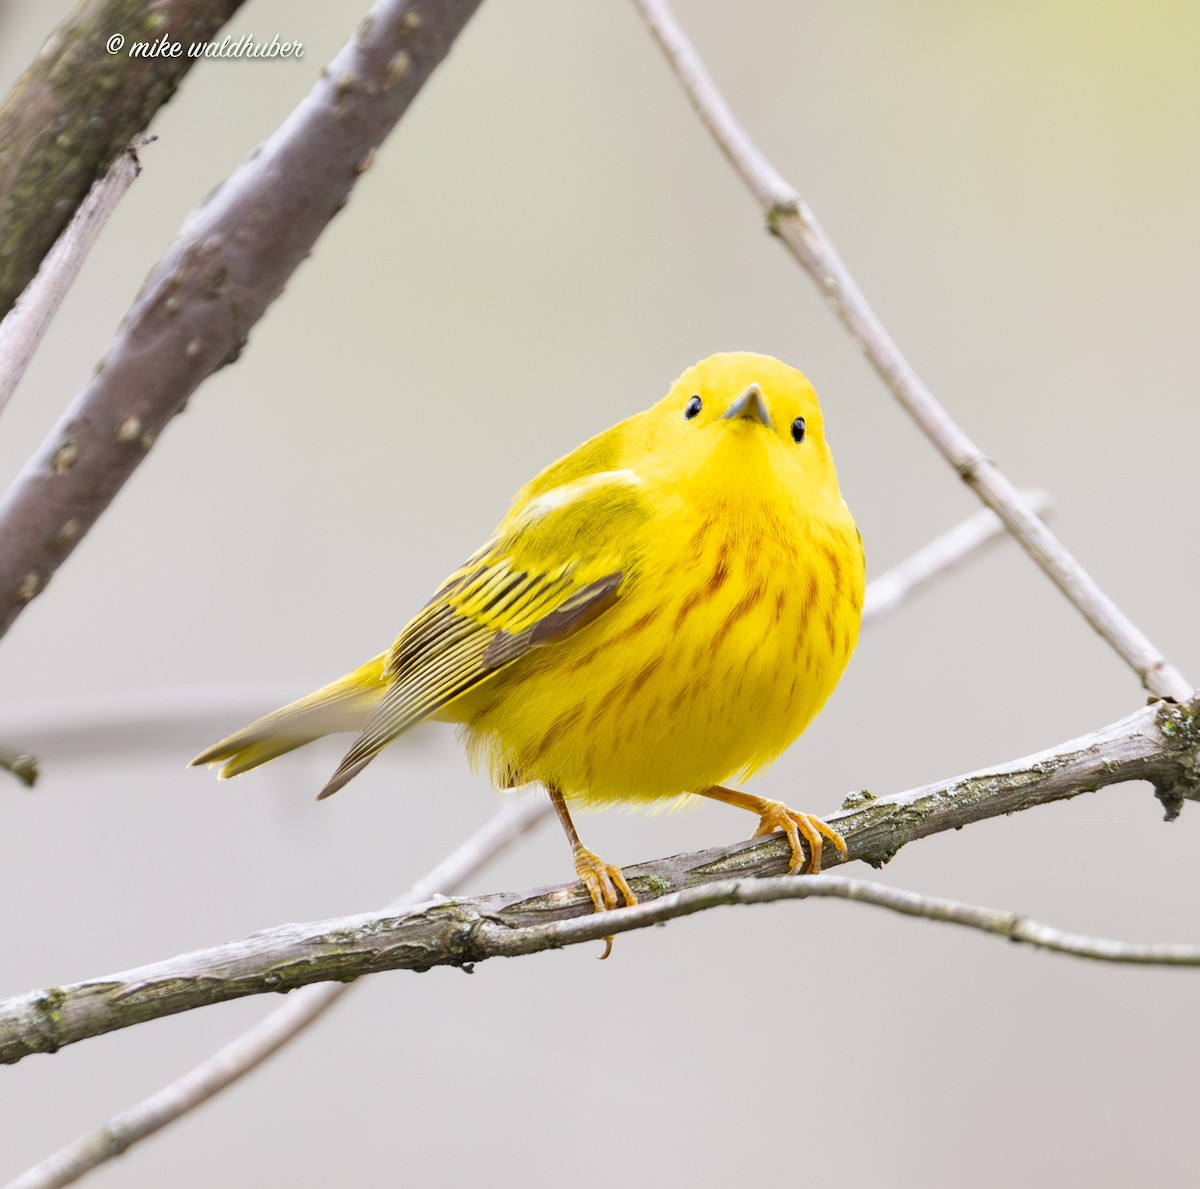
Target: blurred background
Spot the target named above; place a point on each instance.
(545, 242)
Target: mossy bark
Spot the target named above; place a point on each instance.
(76, 108)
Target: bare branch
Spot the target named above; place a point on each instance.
(502, 941)
(255, 1045)
(790, 219)
(74, 111)
(1159, 743)
(167, 718)
(940, 556)
(230, 261)
(26, 323)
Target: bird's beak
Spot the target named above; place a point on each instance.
(750, 404)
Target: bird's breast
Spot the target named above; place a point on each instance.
(731, 633)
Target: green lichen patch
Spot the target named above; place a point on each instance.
(858, 799)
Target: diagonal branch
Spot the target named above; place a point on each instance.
(230, 261)
(943, 554)
(791, 220)
(1158, 743)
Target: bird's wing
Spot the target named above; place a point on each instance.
(557, 562)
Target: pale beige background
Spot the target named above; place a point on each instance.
(545, 242)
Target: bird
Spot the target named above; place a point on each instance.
(661, 611)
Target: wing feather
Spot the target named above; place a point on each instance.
(504, 602)
(466, 651)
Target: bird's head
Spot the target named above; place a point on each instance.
(744, 420)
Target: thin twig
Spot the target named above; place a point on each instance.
(791, 220)
(26, 323)
(1159, 743)
(171, 719)
(941, 555)
(254, 1046)
(502, 941)
(232, 259)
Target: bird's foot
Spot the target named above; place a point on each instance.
(777, 816)
(603, 882)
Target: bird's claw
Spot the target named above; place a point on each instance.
(604, 882)
(777, 816)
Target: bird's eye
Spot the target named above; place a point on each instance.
(798, 430)
(691, 408)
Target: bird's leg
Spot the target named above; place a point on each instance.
(775, 815)
(602, 880)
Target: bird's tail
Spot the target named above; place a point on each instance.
(343, 705)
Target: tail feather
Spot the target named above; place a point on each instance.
(345, 773)
(343, 705)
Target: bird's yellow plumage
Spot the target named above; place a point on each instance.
(664, 609)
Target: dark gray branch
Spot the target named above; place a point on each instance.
(1160, 744)
(230, 261)
(74, 111)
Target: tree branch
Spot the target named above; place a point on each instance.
(228, 264)
(941, 555)
(74, 111)
(27, 322)
(499, 940)
(1160, 743)
(791, 220)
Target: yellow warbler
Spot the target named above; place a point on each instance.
(665, 608)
